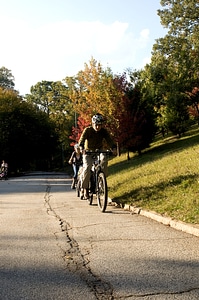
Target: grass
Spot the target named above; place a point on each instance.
(164, 179)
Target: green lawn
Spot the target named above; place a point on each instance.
(164, 179)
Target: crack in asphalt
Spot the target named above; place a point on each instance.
(74, 259)
(158, 294)
(78, 263)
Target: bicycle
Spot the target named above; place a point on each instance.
(97, 183)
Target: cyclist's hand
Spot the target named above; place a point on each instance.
(83, 151)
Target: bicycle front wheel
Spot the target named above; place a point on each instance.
(102, 192)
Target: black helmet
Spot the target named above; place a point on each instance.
(97, 119)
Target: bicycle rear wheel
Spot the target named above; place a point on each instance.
(102, 192)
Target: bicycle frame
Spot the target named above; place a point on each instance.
(98, 183)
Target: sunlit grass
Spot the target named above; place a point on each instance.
(165, 178)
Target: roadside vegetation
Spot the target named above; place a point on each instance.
(164, 179)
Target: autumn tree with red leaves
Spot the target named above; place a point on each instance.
(76, 131)
(193, 97)
(135, 121)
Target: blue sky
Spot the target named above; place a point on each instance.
(52, 39)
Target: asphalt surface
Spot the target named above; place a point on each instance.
(55, 246)
(188, 228)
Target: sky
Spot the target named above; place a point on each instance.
(52, 39)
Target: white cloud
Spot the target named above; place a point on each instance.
(144, 37)
(56, 50)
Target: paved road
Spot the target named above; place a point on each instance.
(55, 246)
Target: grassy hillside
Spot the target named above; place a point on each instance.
(165, 178)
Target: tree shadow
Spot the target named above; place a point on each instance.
(36, 184)
(157, 189)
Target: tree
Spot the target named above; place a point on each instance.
(173, 70)
(154, 87)
(42, 96)
(93, 91)
(181, 44)
(28, 137)
(6, 79)
(177, 114)
(52, 98)
(140, 117)
(193, 102)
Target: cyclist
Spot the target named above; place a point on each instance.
(92, 138)
(76, 161)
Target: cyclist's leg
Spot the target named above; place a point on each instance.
(74, 175)
(85, 176)
(104, 163)
(78, 183)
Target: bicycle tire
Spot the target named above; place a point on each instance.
(102, 191)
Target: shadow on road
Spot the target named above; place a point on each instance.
(13, 184)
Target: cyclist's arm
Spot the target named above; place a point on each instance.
(71, 158)
(82, 139)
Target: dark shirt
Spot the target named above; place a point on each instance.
(92, 140)
(75, 159)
